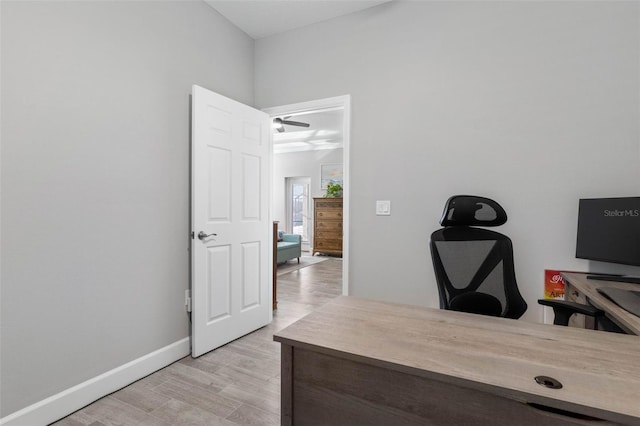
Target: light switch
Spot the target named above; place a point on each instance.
(383, 208)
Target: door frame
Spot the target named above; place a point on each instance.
(343, 102)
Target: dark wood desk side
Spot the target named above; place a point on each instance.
(362, 362)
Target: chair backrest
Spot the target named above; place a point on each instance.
(473, 266)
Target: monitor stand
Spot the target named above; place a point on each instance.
(617, 278)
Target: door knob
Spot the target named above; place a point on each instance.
(202, 235)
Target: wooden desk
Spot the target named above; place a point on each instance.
(361, 362)
(579, 289)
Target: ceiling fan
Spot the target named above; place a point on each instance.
(280, 122)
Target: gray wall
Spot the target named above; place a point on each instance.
(298, 164)
(535, 104)
(95, 180)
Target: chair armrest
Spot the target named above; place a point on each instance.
(563, 309)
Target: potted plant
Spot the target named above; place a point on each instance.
(334, 190)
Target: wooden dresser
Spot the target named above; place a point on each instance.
(327, 226)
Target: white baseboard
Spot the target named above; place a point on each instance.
(72, 399)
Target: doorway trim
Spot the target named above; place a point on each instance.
(343, 102)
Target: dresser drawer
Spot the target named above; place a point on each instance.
(328, 203)
(335, 214)
(329, 225)
(328, 235)
(326, 244)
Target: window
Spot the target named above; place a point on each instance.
(298, 207)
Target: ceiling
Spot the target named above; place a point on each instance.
(263, 18)
(325, 131)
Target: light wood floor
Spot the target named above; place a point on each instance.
(237, 384)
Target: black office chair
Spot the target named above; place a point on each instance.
(474, 266)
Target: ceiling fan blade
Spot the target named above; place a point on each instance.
(295, 123)
(280, 129)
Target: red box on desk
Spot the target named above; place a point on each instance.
(553, 284)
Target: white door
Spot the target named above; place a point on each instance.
(230, 249)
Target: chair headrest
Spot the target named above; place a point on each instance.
(471, 210)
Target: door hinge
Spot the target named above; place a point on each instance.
(187, 300)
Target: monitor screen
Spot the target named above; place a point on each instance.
(609, 230)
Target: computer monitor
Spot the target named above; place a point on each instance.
(609, 230)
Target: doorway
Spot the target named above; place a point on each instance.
(324, 143)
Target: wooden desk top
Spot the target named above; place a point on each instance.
(600, 371)
(625, 319)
